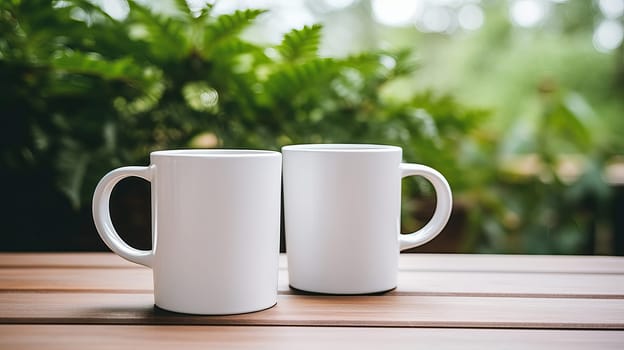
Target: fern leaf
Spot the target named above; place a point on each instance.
(295, 80)
(300, 43)
(93, 64)
(380, 67)
(145, 80)
(405, 64)
(166, 34)
(193, 14)
(226, 26)
(234, 47)
(366, 61)
(90, 8)
(203, 13)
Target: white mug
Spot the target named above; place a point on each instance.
(342, 207)
(215, 228)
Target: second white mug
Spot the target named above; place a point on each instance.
(342, 207)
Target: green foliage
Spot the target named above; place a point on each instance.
(103, 92)
(537, 183)
(85, 93)
(229, 25)
(300, 44)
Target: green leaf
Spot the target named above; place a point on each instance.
(300, 43)
(94, 64)
(366, 62)
(146, 81)
(194, 15)
(291, 81)
(235, 47)
(90, 8)
(405, 64)
(168, 36)
(227, 26)
(203, 13)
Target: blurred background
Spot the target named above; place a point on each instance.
(519, 103)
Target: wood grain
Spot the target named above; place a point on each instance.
(512, 263)
(72, 260)
(419, 262)
(100, 301)
(95, 337)
(311, 310)
(516, 284)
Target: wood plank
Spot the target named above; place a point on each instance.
(305, 310)
(513, 263)
(95, 337)
(410, 282)
(512, 284)
(56, 260)
(75, 260)
(81, 279)
(418, 262)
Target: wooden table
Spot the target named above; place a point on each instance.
(99, 301)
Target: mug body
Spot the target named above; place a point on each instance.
(216, 224)
(342, 215)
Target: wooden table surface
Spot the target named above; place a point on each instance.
(99, 301)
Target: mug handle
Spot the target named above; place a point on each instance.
(444, 203)
(102, 218)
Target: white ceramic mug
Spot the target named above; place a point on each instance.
(342, 207)
(215, 228)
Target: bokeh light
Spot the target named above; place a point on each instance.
(338, 4)
(200, 96)
(117, 9)
(608, 35)
(436, 19)
(611, 8)
(470, 17)
(527, 13)
(396, 12)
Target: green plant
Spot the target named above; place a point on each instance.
(88, 93)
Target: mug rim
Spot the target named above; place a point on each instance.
(213, 152)
(341, 147)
